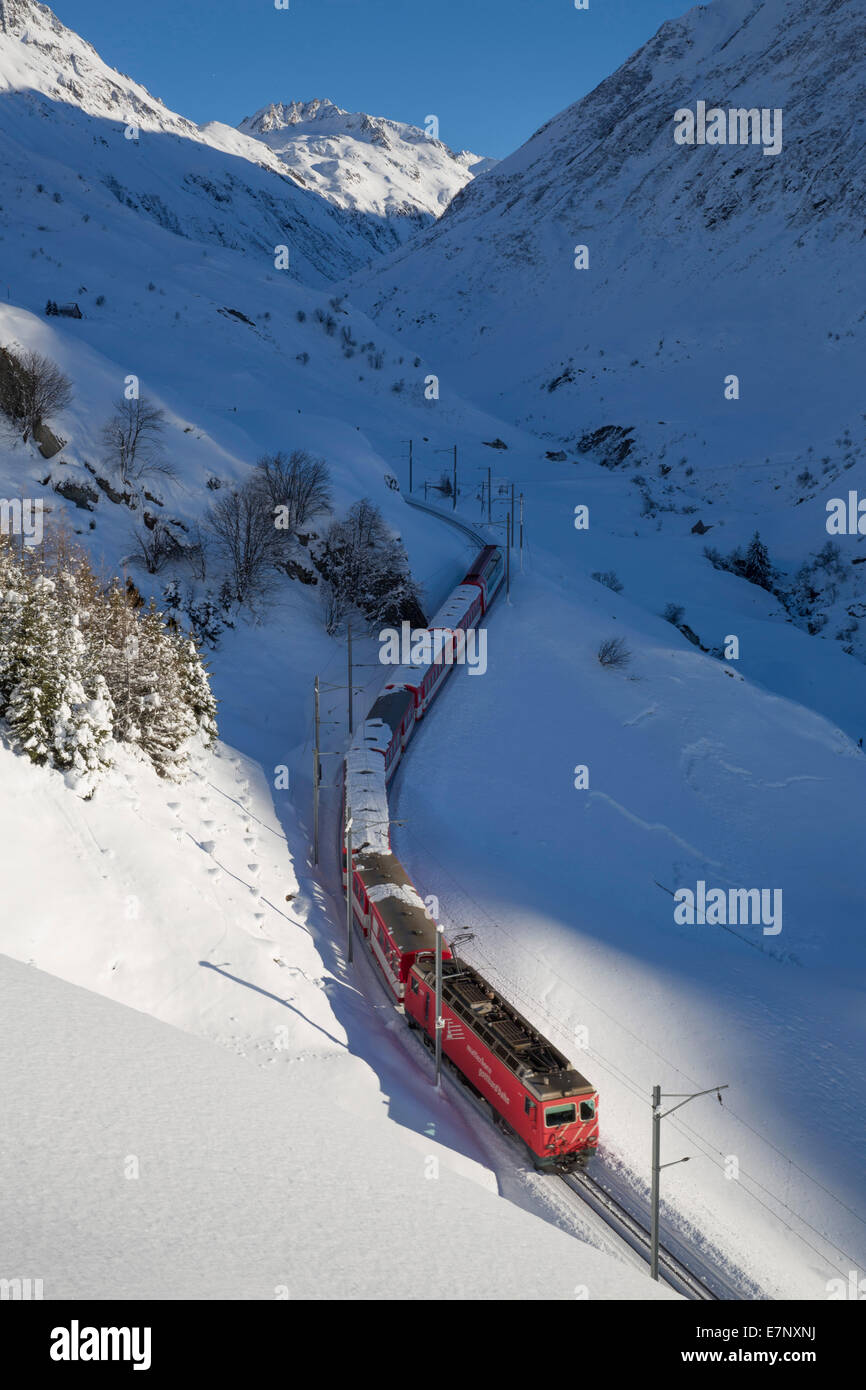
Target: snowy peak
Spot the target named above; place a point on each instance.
(365, 163)
(281, 114)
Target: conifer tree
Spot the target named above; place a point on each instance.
(81, 734)
(35, 699)
(165, 722)
(756, 566)
(82, 667)
(195, 688)
(11, 607)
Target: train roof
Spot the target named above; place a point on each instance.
(397, 901)
(388, 709)
(367, 800)
(543, 1070)
(452, 610)
(482, 560)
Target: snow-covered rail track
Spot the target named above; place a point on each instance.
(680, 1267)
(451, 520)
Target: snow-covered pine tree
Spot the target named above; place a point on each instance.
(81, 734)
(756, 565)
(120, 648)
(12, 591)
(165, 721)
(195, 688)
(34, 702)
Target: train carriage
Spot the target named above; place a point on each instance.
(392, 917)
(424, 678)
(487, 573)
(530, 1085)
(393, 711)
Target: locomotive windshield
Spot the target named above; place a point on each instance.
(556, 1115)
(587, 1109)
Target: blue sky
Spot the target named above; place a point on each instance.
(493, 71)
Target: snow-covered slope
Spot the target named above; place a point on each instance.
(72, 124)
(703, 260)
(389, 169)
(705, 263)
(141, 1163)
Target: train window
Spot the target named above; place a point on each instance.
(414, 983)
(560, 1115)
(528, 1105)
(587, 1109)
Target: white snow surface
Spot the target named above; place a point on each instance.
(404, 893)
(138, 1162)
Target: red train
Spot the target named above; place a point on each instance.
(529, 1085)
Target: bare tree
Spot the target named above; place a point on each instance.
(132, 440)
(243, 530)
(32, 387)
(195, 553)
(157, 546)
(614, 653)
(297, 488)
(335, 605)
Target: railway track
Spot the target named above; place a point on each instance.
(630, 1229)
(450, 519)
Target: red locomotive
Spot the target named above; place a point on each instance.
(529, 1084)
(525, 1080)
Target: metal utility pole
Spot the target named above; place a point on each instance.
(654, 1195)
(513, 528)
(657, 1166)
(521, 533)
(455, 478)
(440, 1022)
(350, 935)
(508, 556)
(350, 691)
(410, 465)
(316, 781)
(489, 495)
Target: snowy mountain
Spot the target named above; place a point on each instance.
(685, 309)
(702, 260)
(366, 163)
(64, 111)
